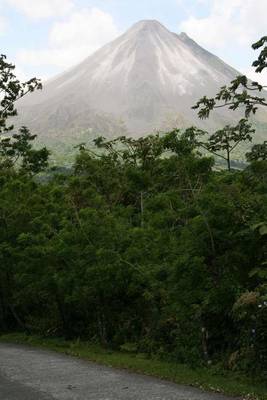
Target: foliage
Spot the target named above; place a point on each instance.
(260, 63)
(17, 148)
(12, 90)
(258, 152)
(223, 141)
(141, 245)
(233, 96)
(238, 93)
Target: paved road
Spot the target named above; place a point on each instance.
(32, 374)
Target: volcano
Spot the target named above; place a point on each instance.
(145, 80)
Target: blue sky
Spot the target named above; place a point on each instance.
(45, 37)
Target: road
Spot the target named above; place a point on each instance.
(31, 374)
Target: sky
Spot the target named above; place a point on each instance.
(46, 37)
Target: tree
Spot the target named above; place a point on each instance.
(258, 152)
(17, 149)
(11, 90)
(260, 63)
(239, 92)
(227, 139)
(18, 162)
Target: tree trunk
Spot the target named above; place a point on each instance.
(204, 343)
(3, 324)
(228, 161)
(16, 317)
(142, 209)
(62, 315)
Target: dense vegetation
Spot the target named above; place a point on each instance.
(132, 247)
(142, 245)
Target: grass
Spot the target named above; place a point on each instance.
(209, 379)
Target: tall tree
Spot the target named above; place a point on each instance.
(17, 148)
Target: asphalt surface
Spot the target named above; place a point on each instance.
(31, 374)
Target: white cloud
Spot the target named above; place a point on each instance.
(238, 21)
(228, 29)
(257, 77)
(91, 26)
(3, 25)
(37, 9)
(21, 74)
(61, 58)
(73, 39)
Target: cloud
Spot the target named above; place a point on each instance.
(91, 26)
(71, 40)
(38, 9)
(257, 77)
(3, 25)
(21, 74)
(238, 21)
(228, 29)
